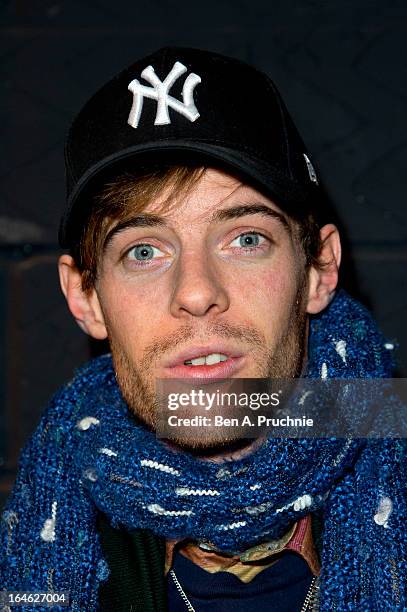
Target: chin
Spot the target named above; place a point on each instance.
(208, 448)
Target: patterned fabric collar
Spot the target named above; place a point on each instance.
(252, 561)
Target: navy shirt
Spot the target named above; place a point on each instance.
(282, 587)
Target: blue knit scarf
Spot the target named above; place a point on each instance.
(88, 453)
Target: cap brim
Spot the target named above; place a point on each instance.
(286, 193)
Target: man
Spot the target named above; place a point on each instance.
(199, 244)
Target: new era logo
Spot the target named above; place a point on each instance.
(311, 170)
(160, 92)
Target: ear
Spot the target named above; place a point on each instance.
(84, 306)
(322, 281)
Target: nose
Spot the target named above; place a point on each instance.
(199, 289)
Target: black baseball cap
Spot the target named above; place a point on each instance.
(183, 101)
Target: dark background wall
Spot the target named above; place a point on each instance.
(341, 67)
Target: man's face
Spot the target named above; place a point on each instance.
(213, 288)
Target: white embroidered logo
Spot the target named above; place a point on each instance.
(159, 91)
(311, 171)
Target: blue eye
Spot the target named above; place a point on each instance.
(143, 252)
(248, 240)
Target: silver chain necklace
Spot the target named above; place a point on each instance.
(308, 605)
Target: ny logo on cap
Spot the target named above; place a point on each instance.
(159, 92)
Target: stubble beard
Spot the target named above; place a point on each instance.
(137, 382)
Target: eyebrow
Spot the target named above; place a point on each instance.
(149, 220)
(226, 214)
(249, 209)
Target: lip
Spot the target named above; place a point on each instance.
(175, 367)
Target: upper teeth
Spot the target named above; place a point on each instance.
(206, 359)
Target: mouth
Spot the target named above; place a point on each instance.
(206, 362)
(211, 359)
